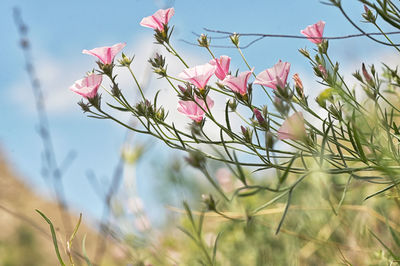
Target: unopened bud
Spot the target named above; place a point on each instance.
(203, 41)
(235, 39)
(125, 61)
(368, 15)
(247, 133)
(305, 53)
(269, 140)
(196, 159)
(232, 103)
(182, 89)
(320, 71)
(367, 76)
(209, 201)
(258, 115)
(298, 85)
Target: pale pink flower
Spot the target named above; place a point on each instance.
(192, 110)
(142, 223)
(314, 32)
(106, 54)
(238, 84)
(88, 86)
(198, 75)
(135, 205)
(222, 64)
(293, 128)
(274, 76)
(224, 178)
(158, 19)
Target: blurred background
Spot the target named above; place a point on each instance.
(92, 149)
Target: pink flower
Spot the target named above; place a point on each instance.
(293, 128)
(314, 32)
(222, 64)
(198, 75)
(88, 86)
(274, 76)
(158, 19)
(238, 84)
(224, 178)
(106, 54)
(192, 110)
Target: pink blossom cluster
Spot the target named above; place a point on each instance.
(274, 77)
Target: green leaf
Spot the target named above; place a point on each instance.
(284, 212)
(358, 143)
(382, 190)
(53, 235)
(224, 144)
(84, 251)
(178, 136)
(215, 247)
(286, 173)
(122, 109)
(384, 245)
(242, 177)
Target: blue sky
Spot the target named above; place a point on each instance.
(59, 30)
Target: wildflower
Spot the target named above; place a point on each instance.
(293, 128)
(106, 54)
(88, 86)
(198, 75)
(193, 110)
(222, 64)
(158, 19)
(275, 76)
(314, 32)
(238, 84)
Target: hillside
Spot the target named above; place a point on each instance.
(25, 237)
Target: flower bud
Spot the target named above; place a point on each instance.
(305, 53)
(321, 72)
(235, 39)
(269, 140)
(298, 85)
(258, 115)
(196, 159)
(247, 133)
(115, 90)
(260, 118)
(368, 15)
(125, 61)
(232, 103)
(209, 201)
(367, 76)
(358, 76)
(203, 41)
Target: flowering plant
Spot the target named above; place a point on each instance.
(344, 137)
